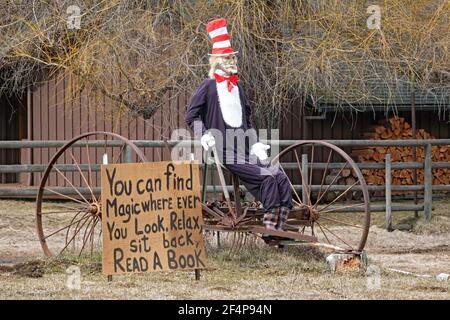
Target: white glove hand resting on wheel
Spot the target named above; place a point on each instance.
(207, 141)
(259, 149)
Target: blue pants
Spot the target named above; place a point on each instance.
(271, 188)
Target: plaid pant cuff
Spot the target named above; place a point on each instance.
(284, 213)
(270, 220)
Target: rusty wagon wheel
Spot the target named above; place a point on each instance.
(72, 179)
(329, 193)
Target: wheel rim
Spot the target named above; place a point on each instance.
(75, 224)
(344, 225)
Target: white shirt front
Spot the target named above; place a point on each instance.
(230, 104)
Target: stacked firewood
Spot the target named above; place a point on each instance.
(393, 129)
(345, 177)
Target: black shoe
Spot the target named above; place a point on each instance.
(269, 238)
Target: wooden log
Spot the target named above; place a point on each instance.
(377, 157)
(367, 152)
(369, 135)
(329, 179)
(387, 134)
(346, 172)
(380, 130)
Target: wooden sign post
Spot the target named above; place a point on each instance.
(151, 217)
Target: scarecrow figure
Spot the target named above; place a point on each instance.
(219, 112)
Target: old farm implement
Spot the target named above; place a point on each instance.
(325, 213)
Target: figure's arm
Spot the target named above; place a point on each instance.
(197, 108)
(194, 115)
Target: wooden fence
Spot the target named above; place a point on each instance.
(427, 187)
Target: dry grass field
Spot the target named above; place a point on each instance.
(257, 272)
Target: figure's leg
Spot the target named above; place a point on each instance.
(263, 186)
(271, 202)
(285, 190)
(285, 194)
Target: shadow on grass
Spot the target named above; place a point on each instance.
(37, 268)
(265, 257)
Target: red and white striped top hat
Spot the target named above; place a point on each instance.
(217, 30)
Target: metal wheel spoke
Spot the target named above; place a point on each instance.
(321, 229)
(340, 222)
(62, 211)
(341, 208)
(81, 208)
(82, 175)
(343, 193)
(332, 182)
(78, 227)
(293, 189)
(65, 196)
(351, 247)
(68, 181)
(91, 221)
(91, 237)
(89, 164)
(87, 234)
(323, 177)
(73, 219)
(77, 230)
(120, 153)
(303, 230)
(65, 227)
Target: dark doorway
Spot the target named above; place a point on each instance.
(13, 126)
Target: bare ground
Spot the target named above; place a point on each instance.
(257, 272)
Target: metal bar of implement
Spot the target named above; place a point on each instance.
(222, 178)
(204, 181)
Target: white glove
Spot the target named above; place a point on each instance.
(207, 140)
(259, 149)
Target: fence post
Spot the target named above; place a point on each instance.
(388, 193)
(428, 184)
(127, 154)
(304, 178)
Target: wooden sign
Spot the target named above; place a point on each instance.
(151, 217)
